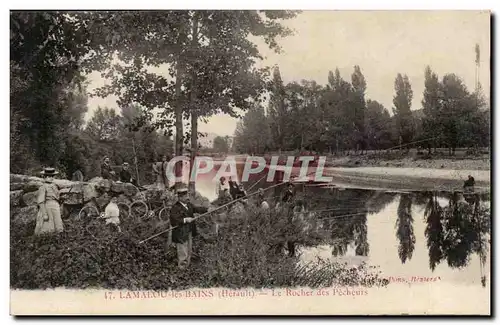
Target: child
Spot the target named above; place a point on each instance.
(112, 213)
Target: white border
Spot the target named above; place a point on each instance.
(191, 4)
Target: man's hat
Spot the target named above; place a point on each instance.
(125, 164)
(49, 171)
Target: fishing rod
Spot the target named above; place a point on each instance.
(209, 212)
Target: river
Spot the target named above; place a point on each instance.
(386, 230)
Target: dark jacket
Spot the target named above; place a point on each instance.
(177, 213)
(233, 189)
(125, 176)
(106, 171)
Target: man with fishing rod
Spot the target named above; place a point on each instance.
(183, 220)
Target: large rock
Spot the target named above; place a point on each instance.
(72, 195)
(16, 186)
(29, 199)
(100, 184)
(89, 192)
(125, 188)
(15, 198)
(32, 186)
(15, 178)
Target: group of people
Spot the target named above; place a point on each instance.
(230, 190)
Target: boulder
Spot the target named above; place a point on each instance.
(29, 199)
(126, 188)
(72, 195)
(64, 183)
(15, 178)
(89, 192)
(15, 198)
(16, 186)
(32, 186)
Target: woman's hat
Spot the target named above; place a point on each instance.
(49, 171)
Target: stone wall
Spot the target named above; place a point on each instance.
(75, 195)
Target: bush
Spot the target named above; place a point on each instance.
(246, 253)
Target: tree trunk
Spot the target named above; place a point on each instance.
(194, 112)
(179, 131)
(194, 147)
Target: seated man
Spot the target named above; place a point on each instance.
(125, 175)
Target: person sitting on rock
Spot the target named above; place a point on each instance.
(469, 184)
(49, 212)
(125, 175)
(106, 171)
(233, 188)
(112, 213)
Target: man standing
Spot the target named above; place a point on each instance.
(106, 171)
(182, 218)
(160, 171)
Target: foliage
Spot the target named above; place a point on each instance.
(243, 255)
(221, 144)
(402, 105)
(404, 225)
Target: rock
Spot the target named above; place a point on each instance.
(72, 195)
(89, 192)
(15, 198)
(126, 188)
(15, 178)
(29, 199)
(32, 186)
(25, 215)
(16, 186)
(64, 183)
(101, 185)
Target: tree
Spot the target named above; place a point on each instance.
(53, 47)
(359, 106)
(431, 106)
(277, 110)
(402, 104)
(105, 125)
(221, 144)
(198, 47)
(252, 133)
(377, 125)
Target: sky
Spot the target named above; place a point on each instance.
(382, 43)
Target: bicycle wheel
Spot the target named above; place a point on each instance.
(138, 210)
(124, 210)
(164, 214)
(88, 213)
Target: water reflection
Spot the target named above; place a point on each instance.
(406, 234)
(404, 226)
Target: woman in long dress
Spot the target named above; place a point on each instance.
(160, 169)
(49, 212)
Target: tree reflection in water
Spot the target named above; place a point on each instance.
(404, 228)
(458, 230)
(346, 215)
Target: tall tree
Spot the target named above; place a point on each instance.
(277, 110)
(431, 105)
(402, 108)
(359, 106)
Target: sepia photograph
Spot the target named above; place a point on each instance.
(250, 162)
